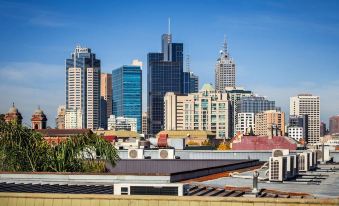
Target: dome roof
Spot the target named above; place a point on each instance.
(39, 111)
(207, 87)
(13, 110)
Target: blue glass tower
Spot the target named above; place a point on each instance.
(127, 93)
(191, 83)
(164, 74)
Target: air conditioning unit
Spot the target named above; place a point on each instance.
(304, 162)
(136, 154)
(313, 159)
(173, 189)
(292, 169)
(166, 153)
(278, 169)
(280, 152)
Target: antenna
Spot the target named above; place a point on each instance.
(188, 67)
(169, 25)
(225, 44)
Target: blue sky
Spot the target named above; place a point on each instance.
(281, 48)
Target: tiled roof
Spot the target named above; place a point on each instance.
(63, 132)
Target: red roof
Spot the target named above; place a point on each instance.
(263, 143)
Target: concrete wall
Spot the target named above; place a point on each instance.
(22, 199)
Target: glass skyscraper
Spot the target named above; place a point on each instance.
(83, 86)
(164, 74)
(127, 93)
(191, 83)
(255, 104)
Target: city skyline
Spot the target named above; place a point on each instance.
(280, 63)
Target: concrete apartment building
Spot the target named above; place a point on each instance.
(207, 110)
(308, 104)
(234, 94)
(73, 119)
(268, 120)
(245, 123)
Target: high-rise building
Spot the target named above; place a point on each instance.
(245, 123)
(255, 104)
(234, 95)
(298, 127)
(39, 119)
(83, 86)
(224, 70)
(268, 121)
(127, 92)
(144, 129)
(322, 129)
(122, 123)
(73, 119)
(334, 124)
(191, 83)
(164, 74)
(207, 110)
(60, 118)
(106, 98)
(307, 104)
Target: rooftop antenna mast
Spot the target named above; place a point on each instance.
(225, 45)
(188, 66)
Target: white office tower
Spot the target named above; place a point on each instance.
(224, 70)
(122, 123)
(245, 123)
(296, 133)
(307, 104)
(83, 86)
(207, 110)
(73, 119)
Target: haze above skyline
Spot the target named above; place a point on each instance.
(281, 48)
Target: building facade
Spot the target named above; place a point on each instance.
(297, 122)
(191, 83)
(334, 125)
(234, 94)
(83, 86)
(323, 129)
(296, 133)
(105, 98)
(39, 119)
(245, 123)
(255, 104)
(268, 122)
(122, 123)
(60, 118)
(73, 119)
(307, 104)
(164, 74)
(144, 129)
(208, 110)
(224, 70)
(127, 92)
(13, 115)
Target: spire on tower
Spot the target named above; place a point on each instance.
(169, 25)
(188, 67)
(225, 45)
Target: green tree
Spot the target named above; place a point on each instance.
(23, 149)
